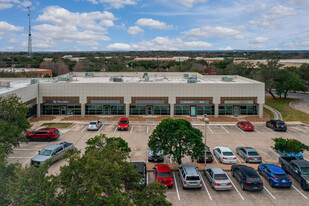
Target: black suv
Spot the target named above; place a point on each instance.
(247, 177)
(141, 168)
(276, 125)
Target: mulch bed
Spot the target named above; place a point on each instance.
(220, 119)
(79, 118)
(132, 118)
(43, 118)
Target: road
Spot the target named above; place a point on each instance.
(295, 95)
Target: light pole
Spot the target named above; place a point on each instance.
(206, 120)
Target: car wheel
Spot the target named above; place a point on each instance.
(246, 161)
(30, 139)
(284, 169)
(271, 183)
(49, 139)
(259, 171)
(303, 186)
(233, 173)
(242, 186)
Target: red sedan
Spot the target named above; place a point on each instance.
(163, 174)
(123, 124)
(48, 134)
(246, 126)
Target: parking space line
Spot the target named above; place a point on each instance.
(84, 129)
(257, 130)
(215, 158)
(301, 130)
(299, 192)
(274, 152)
(100, 128)
(206, 187)
(225, 129)
(131, 130)
(210, 130)
(115, 129)
(176, 186)
(269, 192)
(270, 130)
(288, 131)
(147, 129)
(239, 129)
(235, 187)
(238, 159)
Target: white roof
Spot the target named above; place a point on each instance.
(224, 149)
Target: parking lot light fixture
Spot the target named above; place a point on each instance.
(206, 120)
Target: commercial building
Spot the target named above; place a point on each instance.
(139, 94)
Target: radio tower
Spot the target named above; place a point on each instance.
(29, 36)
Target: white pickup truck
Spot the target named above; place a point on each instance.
(52, 152)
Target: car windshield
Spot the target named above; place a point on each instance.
(46, 152)
(93, 122)
(254, 179)
(220, 177)
(248, 124)
(281, 176)
(54, 132)
(305, 170)
(164, 174)
(253, 153)
(281, 124)
(208, 153)
(123, 122)
(193, 178)
(228, 154)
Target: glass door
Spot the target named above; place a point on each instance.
(63, 110)
(106, 110)
(149, 110)
(193, 111)
(236, 111)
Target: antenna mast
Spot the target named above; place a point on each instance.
(29, 36)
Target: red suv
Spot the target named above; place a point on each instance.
(123, 124)
(48, 134)
(163, 174)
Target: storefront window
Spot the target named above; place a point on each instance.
(209, 110)
(161, 110)
(32, 111)
(55, 109)
(118, 109)
(73, 110)
(182, 110)
(248, 110)
(225, 110)
(137, 110)
(94, 109)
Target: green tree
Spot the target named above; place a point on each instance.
(177, 138)
(303, 71)
(289, 145)
(13, 123)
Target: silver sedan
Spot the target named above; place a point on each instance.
(217, 178)
(249, 154)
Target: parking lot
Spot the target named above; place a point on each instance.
(217, 135)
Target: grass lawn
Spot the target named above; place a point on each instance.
(269, 112)
(57, 125)
(288, 113)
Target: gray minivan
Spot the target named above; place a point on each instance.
(189, 176)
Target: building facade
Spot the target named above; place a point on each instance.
(168, 94)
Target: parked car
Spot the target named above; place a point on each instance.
(163, 174)
(94, 125)
(225, 155)
(123, 124)
(141, 168)
(189, 176)
(275, 175)
(246, 126)
(52, 152)
(217, 178)
(209, 157)
(276, 125)
(249, 154)
(248, 178)
(158, 156)
(297, 168)
(48, 134)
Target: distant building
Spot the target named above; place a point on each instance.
(284, 62)
(24, 72)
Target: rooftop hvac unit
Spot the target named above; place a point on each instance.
(186, 76)
(115, 79)
(34, 81)
(5, 84)
(89, 74)
(65, 79)
(192, 79)
(146, 77)
(227, 79)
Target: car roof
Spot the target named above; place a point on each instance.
(162, 168)
(190, 169)
(301, 163)
(140, 166)
(249, 171)
(216, 170)
(249, 149)
(94, 121)
(224, 149)
(278, 121)
(47, 129)
(124, 119)
(275, 168)
(52, 146)
(246, 122)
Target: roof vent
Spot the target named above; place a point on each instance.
(115, 79)
(146, 77)
(192, 79)
(34, 81)
(89, 74)
(227, 79)
(5, 84)
(186, 76)
(65, 79)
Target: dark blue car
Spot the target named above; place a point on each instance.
(275, 175)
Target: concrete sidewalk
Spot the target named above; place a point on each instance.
(301, 105)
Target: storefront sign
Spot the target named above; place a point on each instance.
(104, 101)
(238, 101)
(194, 102)
(60, 102)
(149, 102)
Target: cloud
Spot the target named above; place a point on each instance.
(279, 11)
(117, 4)
(263, 24)
(6, 27)
(190, 3)
(259, 40)
(7, 4)
(154, 24)
(239, 37)
(133, 30)
(226, 48)
(260, 7)
(210, 32)
(298, 1)
(160, 43)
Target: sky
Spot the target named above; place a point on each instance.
(143, 25)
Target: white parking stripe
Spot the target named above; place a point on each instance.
(206, 187)
(225, 129)
(301, 130)
(215, 158)
(299, 192)
(176, 186)
(256, 130)
(288, 131)
(84, 129)
(115, 129)
(210, 130)
(274, 152)
(235, 187)
(269, 192)
(147, 129)
(100, 128)
(238, 159)
(270, 129)
(131, 130)
(240, 129)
